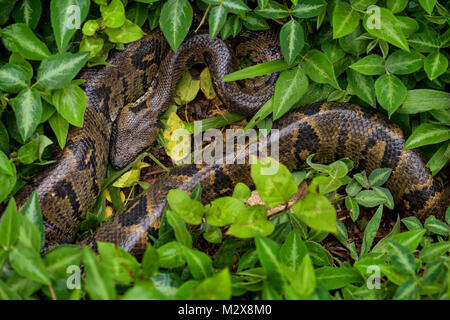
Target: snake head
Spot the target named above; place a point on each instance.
(134, 130)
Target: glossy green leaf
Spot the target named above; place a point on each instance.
(56, 71)
(291, 40)
(390, 92)
(317, 212)
(13, 78)
(386, 27)
(71, 103)
(199, 263)
(345, 19)
(66, 18)
(9, 225)
(20, 38)
(175, 20)
(427, 133)
(420, 100)
(290, 87)
(319, 68)
(435, 64)
(99, 282)
(28, 263)
(273, 182)
(28, 107)
(216, 20)
(113, 14)
(308, 8)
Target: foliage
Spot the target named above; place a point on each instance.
(393, 57)
(255, 256)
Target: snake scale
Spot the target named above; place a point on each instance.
(125, 102)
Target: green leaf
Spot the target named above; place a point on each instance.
(150, 261)
(409, 239)
(189, 210)
(435, 64)
(268, 256)
(32, 211)
(99, 283)
(439, 158)
(13, 78)
(29, 152)
(436, 226)
(179, 227)
(412, 223)
(424, 42)
(7, 181)
(213, 236)
(171, 255)
(175, 20)
(401, 259)
(199, 263)
(319, 68)
(397, 5)
(224, 211)
(407, 290)
(128, 32)
(370, 231)
(425, 134)
(317, 212)
(308, 8)
(4, 138)
(363, 4)
(420, 100)
(28, 12)
(293, 251)
(379, 176)
(253, 222)
(66, 18)
(71, 103)
(434, 251)
(273, 10)
(273, 182)
(6, 293)
(60, 258)
(370, 198)
(113, 14)
(28, 107)
(369, 65)
(241, 192)
(352, 205)
(362, 85)
(408, 25)
(120, 264)
(428, 5)
(217, 287)
(387, 28)
(257, 70)
(9, 225)
(60, 127)
(332, 278)
(235, 6)
(216, 20)
(20, 38)
(57, 70)
(254, 22)
(290, 87)
(345, 19)
(6, 167)
(402, 62)
(390, 92)
(28, 263)
(291, 40)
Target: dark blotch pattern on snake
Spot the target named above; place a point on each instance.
(126, 101)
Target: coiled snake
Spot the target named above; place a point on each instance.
(126, 101)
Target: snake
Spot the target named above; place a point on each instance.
(126, 99)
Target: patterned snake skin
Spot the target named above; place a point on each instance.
(126, 101)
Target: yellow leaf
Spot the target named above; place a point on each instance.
(177, 145)
(130, 178)
(108, 211)
(206, 84)
(186, 89)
